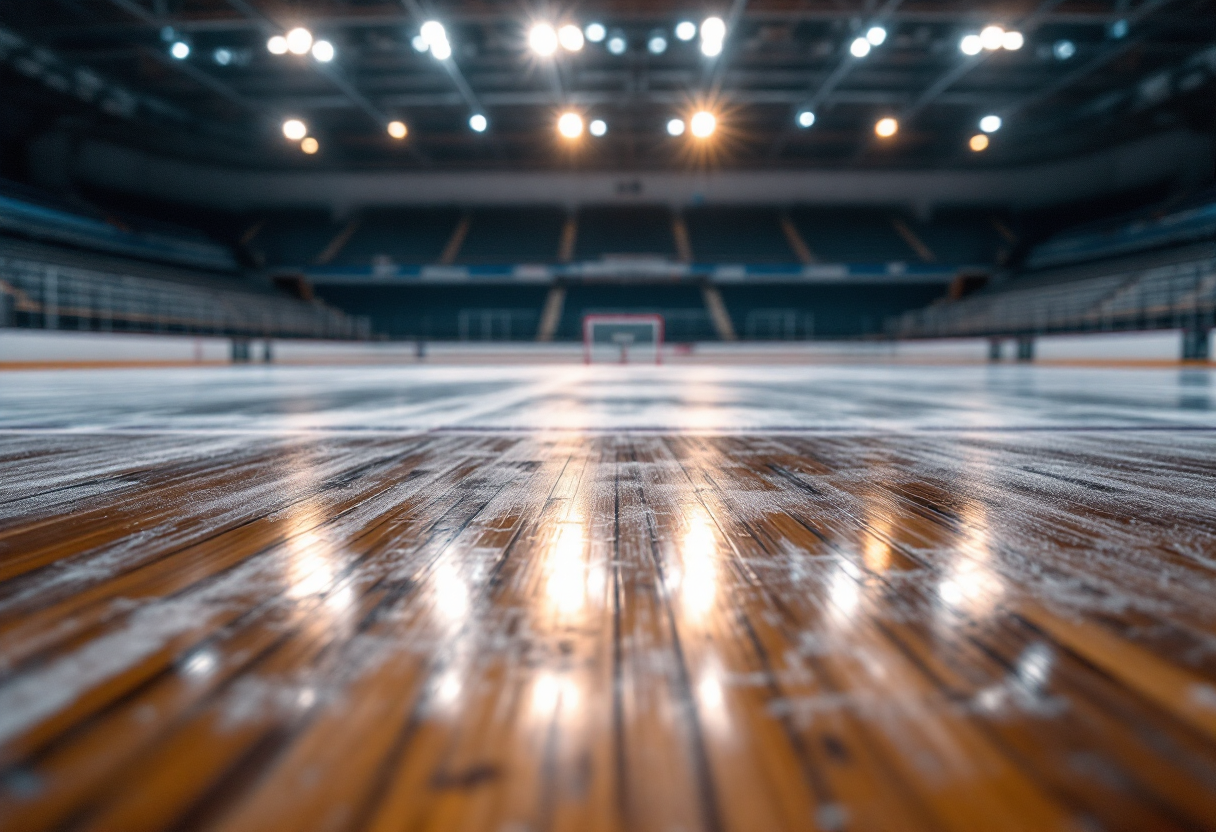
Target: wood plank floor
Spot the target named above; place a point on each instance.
(965, 628)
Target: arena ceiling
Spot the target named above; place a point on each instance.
(195, 79)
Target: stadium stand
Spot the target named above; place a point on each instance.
(510, 235)
(737, 235)
(852, 235)
(607, 231)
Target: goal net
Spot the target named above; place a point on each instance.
(623, 339)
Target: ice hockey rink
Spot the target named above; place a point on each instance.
(636, 598)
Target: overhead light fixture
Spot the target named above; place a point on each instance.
(990, 124)
(432, 32)
(1119, 29)
(971, 45)
(310, 145)
(713, 35)
(323, 51)
(595, 32)
(675, 127)
(1013, 41)
(570, 125)
(686, 30)
(1064, 49)
(886, 127)
(441, 51)
(805, 118)
(542, 38)
(419, 43)
(617, 44)
(657, 44)
(180, 50)
(598, 127)
(222, 56)
(876, 35)
(991, 37)
(277, 45)
(478, 123)
(703, 124)
(397, 129)
(859, 48)
(979, 142)
(570, 37)
(294, 129)
(299, 41)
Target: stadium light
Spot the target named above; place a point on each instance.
(299, 41)
(397, 129)
(657, 44)
(295, 129)
(859, 48)
(277, 45)
(432, 32)
(617, 44)
(886, 127)
(675, 127)
(595, 32)
(1119, 29)
(441, 50)
(991, 37)
(570, 125)
(323, 51)
(876, 35)
(310, 145)
(478, 123)
(703, 124)
(1013, 41)
(713, 34)
(1064, 49)
(686, 30)
(971, 45)
(990, 124)
(570, 37)
(419, 43)
(805, 119)
(598, 127)
(542, 38)
(180, 50)
(222, 56)
(979, 142)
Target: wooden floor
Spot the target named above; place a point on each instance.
(949, 627)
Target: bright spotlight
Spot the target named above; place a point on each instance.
(657, 45)
(886, 127)
(990, 124)
(876, 35)
(598, 128)
(222, 56)
(859, 48)
(419, 43)
(711, 48)
(570, 37)
(299, 41)
(543, 39)
(703, 124)
(310, 145)
(180, 50)
(712, 28)
(295, 129)
(1013, 41)
(595, 32)
(478, 123)
(979, 142)
(397, 129)
(992, 37)
(686, 30)
(441, 50)
(971, 45)
(323, 51)
(805, 119)
(1064, 49)
(1119, 29)
(617, 44)
(277, 45)
(675, 127)
(432, 32)
(570, 125)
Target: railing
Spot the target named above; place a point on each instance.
(51, 296)
(1171, 295)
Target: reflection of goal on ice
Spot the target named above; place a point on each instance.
(621, 339)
